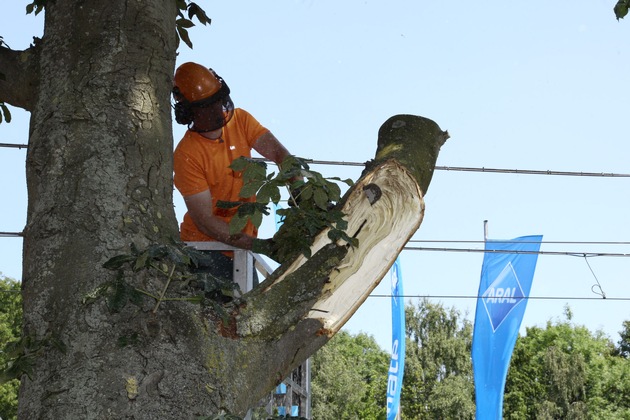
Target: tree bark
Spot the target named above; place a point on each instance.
(99, 177)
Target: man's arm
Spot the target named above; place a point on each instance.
(199, 206)
(271, 148)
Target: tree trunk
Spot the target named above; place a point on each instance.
(99, 176)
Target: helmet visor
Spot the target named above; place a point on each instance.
(212, 113)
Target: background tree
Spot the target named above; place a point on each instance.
(623, 345)
(349, 378)
(438, 369)
(565, 371)
(10, 329)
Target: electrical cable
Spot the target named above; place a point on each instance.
(496, 251)
(598, 285)
(482, 169)
(15, 146)
(11, 234)
(441, 168)
(507, 241)
(524, 297)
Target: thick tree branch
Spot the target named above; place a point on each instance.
(20, 80)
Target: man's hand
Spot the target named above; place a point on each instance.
(266, 247)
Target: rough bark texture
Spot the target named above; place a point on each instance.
(99, 176)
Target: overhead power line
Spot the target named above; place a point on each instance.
(497, 251)
(482, 169)
(15, 146)
(478, 297)
(443, 168)
(507, 241)
(11, 234)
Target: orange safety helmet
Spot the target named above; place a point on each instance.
(195, 86)
(194, 82)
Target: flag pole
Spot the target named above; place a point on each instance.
(485, 231)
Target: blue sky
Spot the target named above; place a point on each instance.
(540, 86)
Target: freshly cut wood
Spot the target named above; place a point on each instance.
(382, 228)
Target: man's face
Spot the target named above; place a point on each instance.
(209, 117)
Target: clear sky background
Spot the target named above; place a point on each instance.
(539, 85)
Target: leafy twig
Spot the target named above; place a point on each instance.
(168, 282)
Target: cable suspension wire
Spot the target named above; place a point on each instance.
(507, 241)
(15, 146)
(478, 297)
(532, 172)
(496, 251)
(11, 234)
(443, 168)
(482, 169)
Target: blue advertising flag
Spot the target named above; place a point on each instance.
(397, 363)
(506, 279)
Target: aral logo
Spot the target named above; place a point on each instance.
(502, 296)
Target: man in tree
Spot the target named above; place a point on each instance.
(217, 135)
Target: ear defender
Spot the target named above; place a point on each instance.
(183, 110)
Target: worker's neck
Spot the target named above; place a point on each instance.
(212, 135)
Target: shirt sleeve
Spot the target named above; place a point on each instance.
(251, 127)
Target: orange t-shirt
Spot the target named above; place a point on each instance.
(201, 164)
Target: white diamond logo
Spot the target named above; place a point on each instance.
(502, 296)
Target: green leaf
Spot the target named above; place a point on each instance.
(199, 13)
(321, 198)
(141, 262)
(256, 218)
(118, 261)
(346, 181)
(250, 189)
(239, 164)
(121, 293)
(37, 6)
(6, 112)
(181, 4)
(269, 192)
(307, 192)
(237, 224)
(184, 23)
(228, 204)
(621, 9)
(255, 172)
(183, 35)
(334, 192)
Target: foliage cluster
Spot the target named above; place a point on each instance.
(349, 378)
(10, 332)
(311, 203)
(621, 8)
(182, 24)
(559, 371)
(169, 279)
(565, 371)
(438, 379)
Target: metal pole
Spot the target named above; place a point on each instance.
(485, 231)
